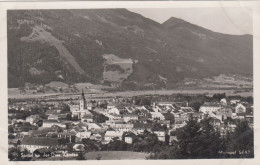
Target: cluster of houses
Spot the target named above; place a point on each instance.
(56, 133)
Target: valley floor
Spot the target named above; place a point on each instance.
(14, 93)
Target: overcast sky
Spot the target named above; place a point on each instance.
(223, 20)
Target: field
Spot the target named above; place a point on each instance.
(125, 66)
(116, 155)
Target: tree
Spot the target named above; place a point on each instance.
(169, 116)
(244, 138)
(158, 127)
(99, 118)
(196, 105)
(210, 139)
(219, 96)
(90, 145)
(128, 134)
(188, 139)
(14, 154)
(98, 157)
(10, 129)
(145, 101)
(81, 156)
(117, 145)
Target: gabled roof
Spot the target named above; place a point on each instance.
(40, 141)
(52, 112)
(143, 126)
(51, 121)
(113, 133)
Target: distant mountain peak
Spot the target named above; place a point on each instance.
(172, 22)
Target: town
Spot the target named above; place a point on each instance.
(175, 126)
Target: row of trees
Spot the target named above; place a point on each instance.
(201, 140)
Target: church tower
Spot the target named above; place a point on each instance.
(82, 102)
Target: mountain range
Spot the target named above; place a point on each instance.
(118, 47)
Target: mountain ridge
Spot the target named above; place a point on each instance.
(159, 50)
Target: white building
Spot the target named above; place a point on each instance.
(160, 135)
(114, 110)
(210, 107)
(129, 140)
(240, 108)
(157, 115)
(50, 123)
(223, 101)
(82, 135)
(31, 119)
(53, 117)
(129, 117)
(93, 126)
(122, 127)
(113, 134)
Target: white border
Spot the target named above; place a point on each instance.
(4, 6)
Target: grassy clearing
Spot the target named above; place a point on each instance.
(116, 155)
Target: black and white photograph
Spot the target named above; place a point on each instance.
(128, 83)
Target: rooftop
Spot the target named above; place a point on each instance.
(40, 141)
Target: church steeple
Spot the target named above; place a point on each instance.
(82, 94)
(82, 101)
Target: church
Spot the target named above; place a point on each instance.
(79, 110)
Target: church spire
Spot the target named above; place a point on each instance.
(83, 101)
(82, 94)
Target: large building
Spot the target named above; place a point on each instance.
(33, 143)
(79, 110)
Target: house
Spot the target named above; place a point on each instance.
(53, 117)
(140, 127)
(78, 147)
(96, 136)
(165, 122)
(40, 133)
(32, 119)
(52, 112)
(210, 107)
(33, 143)
(101, 111)
(231, 126)
(240, 108)
(157, 116)
(223, 114)
(240, 116)
(129, 117)
(197, 116)
(129, 140)
(112, 105)
(179, 124)
(122, 127)
(114, 110)
(223, 101)
(93, 126)
(114, 116)
(66, 135)
(234, 102)
(215, 122)
(90, 106)
(87, 118)
(50, 123)
(172, 139)
(160, 135)
(83, 135)
(110, 135)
